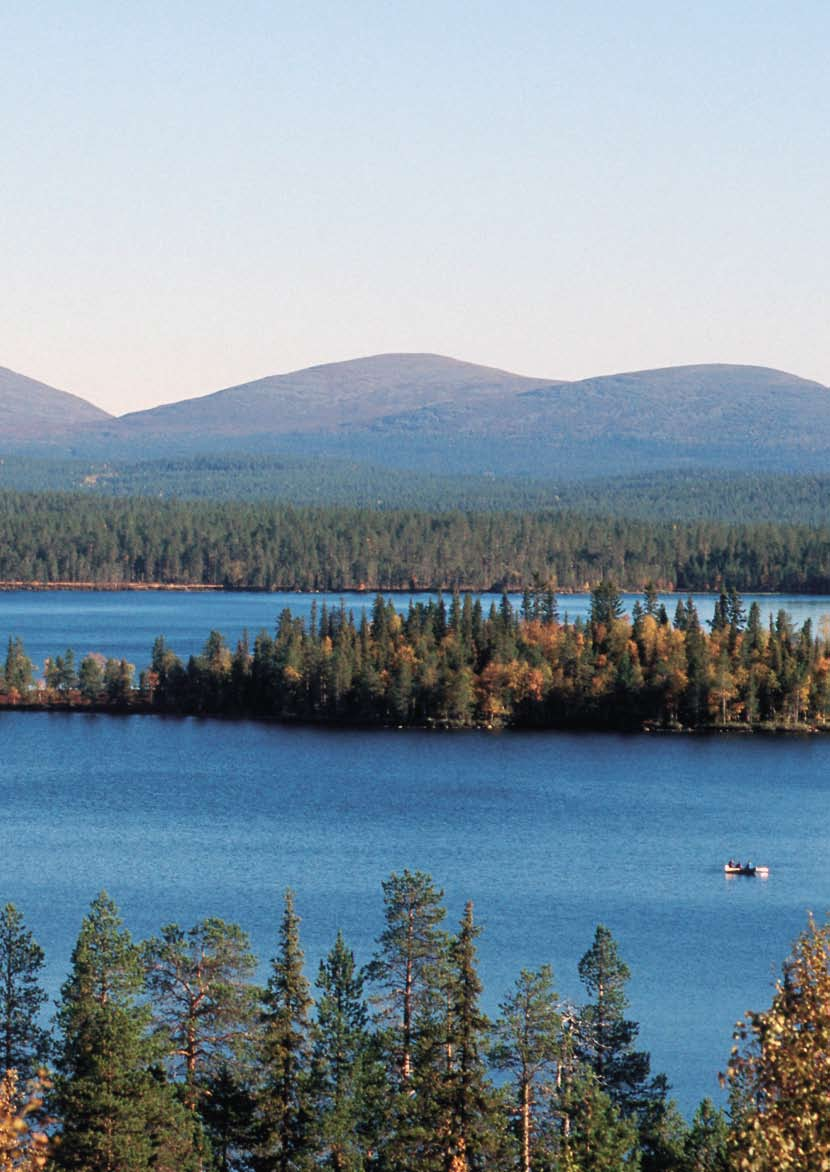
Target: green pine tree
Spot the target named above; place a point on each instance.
(705, 1147)
(117, 1113)
(345, 1072)
(606, 1036)
(528, 1044)
(24, 1043)
(600, 1138)
(473, 1135)
(285, 1110)
(409, 948)
(203, 1000)
(408, 971)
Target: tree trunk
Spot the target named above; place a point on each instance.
(526, 1122)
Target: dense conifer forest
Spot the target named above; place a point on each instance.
(165, 1054)
(447, 664)
(54, 537)
(679, 495)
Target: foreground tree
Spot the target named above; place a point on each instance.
(705, 1148)
(779, 1073)
(472, 1134)
(528, 1045)
(117, 1112)
(24, 1043)
(600, 1138)
(23, 1147)
(285, 1112)
(345, 1074)
(606, 1036)
(410, 948)
(203, 1000)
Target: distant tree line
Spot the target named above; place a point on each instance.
(166, 1055)
(53, 537)
(308, 480)
(447, 663)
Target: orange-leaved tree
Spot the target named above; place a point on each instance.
(780, 1068)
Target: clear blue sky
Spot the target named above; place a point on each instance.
(195, 193)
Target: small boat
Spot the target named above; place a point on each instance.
(733, 868)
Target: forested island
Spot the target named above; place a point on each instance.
(68, 538)
(447, 664)
(166, 1055)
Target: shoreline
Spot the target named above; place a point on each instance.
(140, 707)
(37, 587)
(9, 586)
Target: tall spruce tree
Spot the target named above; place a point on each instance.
(599, 1138)
(285, 1108)
(469, 1094)
(117, 1113)
(606, 1036)
(24, 1042)
(345, 1073)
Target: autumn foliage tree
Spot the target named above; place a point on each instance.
(780, 1068)
(24, 1146)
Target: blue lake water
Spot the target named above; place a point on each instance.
(549, 834)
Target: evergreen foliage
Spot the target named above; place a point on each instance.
(473, 1140)
(605, 1037)
(23, 1041)
(285, 1106)
(528, 1044)
(345, 1072)
(328, 1090)
(117, 1114)
(65, 538)
(677, 495)
(200, 984)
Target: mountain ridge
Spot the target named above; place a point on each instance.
(434, 413)
(30, 409)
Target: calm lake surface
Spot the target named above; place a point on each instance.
(549, 834)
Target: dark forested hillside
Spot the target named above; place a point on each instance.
(667, 496)
(63, 538)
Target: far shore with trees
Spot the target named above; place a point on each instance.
(54, 540)
(448, 664)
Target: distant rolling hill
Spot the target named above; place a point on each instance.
(707, 416)
(31, 410)
(326, 398)
(440, 415)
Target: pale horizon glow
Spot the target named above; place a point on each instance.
(194, 197)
